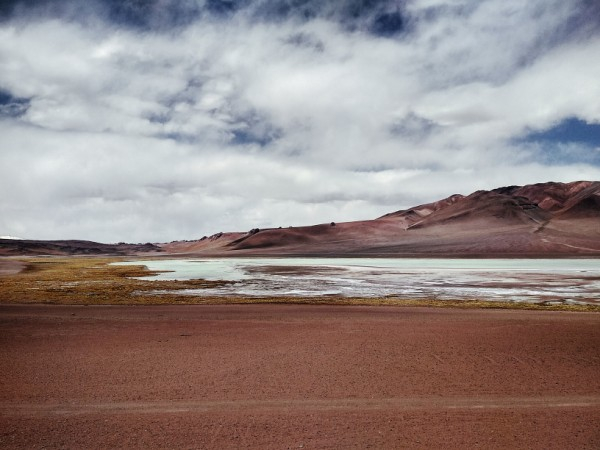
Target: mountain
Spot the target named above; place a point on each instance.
(546, 219)
(537, 220)
(18, 247)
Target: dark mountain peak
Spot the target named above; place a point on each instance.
(506, 190)
(554, 196)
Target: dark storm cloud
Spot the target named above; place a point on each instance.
(380, 17)
(11, 106)
(143, 14)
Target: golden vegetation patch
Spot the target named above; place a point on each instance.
(94, 281)
(89, 280)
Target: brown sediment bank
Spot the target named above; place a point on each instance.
(291, 376)
(10, 266)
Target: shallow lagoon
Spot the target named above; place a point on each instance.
(522, 280)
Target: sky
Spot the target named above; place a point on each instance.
(161, 120)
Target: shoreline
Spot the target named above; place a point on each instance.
(93, 280)
(494, 305)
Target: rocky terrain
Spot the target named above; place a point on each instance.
(534, 220)
(546, 219)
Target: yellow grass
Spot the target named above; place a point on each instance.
(93, 281)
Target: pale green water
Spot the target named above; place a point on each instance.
(558, 280)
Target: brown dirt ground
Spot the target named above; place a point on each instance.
(297, 376)
(10, 266)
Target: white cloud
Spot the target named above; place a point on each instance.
(233, 123)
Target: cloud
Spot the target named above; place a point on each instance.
(157, 120)
(11, 106)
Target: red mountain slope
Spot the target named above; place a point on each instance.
(538, 220)
(543, 219)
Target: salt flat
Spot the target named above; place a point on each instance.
(562, 281)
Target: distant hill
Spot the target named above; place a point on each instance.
(546, 219)
(537, 220)
(17, 247)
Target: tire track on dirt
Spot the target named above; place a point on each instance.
(341, 404)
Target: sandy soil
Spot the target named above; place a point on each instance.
(289, 376)
(10, 266)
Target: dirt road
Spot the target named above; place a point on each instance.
(287, 376)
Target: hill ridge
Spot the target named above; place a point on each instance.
(535, 220)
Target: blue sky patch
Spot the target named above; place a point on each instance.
(570, 130)
(572, 141)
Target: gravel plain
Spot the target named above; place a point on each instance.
(297, 376)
